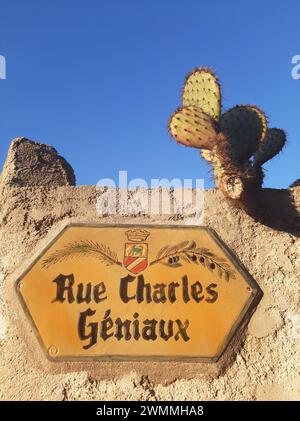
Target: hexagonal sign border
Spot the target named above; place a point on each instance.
(244, 316)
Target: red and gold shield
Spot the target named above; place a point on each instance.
(136, 257)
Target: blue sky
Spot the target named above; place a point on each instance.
(98, 79)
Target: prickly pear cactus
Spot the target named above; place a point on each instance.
(263, 119)
(191, 126)
(271, 146)
(244, 127)
(202, 89)
(236, 143)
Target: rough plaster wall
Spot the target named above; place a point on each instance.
(267, 363)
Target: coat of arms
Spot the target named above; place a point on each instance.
(136, 251)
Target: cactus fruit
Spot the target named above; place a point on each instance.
(272, 145)
(192, 127)
(237, 143)
(244, 129)
(202, 89)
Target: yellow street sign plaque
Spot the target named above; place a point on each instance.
(136, 292)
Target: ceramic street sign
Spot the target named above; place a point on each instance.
(136, 292)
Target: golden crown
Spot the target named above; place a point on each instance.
(137, 235)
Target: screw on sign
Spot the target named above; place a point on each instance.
(139, 292)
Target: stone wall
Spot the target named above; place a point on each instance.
(38, 198)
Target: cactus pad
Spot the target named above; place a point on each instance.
(263, 120)
(272, 145)
(202, 89)
(191, 126)
(244, 127)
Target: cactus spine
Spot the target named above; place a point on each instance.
(237, 143)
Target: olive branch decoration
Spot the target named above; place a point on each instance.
(83, 248)
(188, 252)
